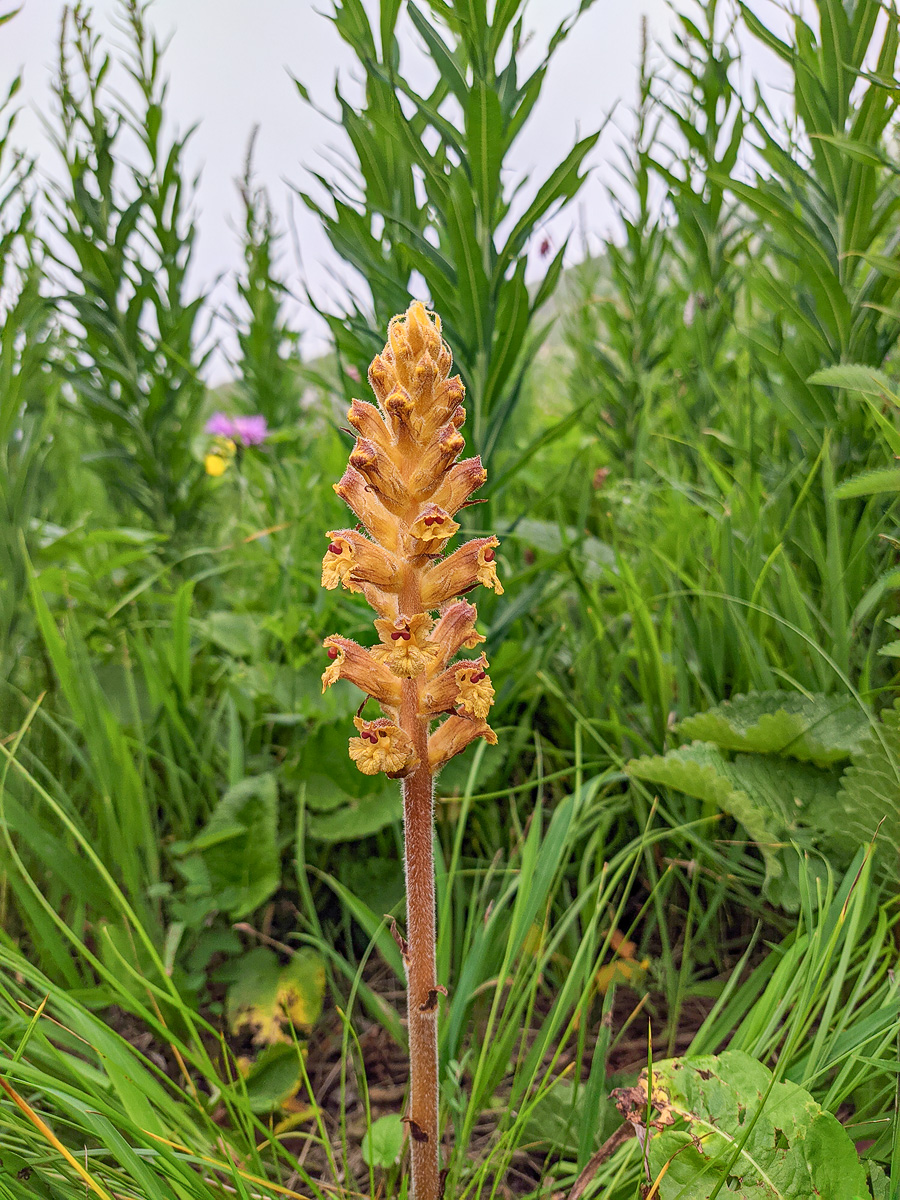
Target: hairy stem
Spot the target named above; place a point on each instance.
(422, 996)
(421, 962)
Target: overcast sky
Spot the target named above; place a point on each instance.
(230, 64)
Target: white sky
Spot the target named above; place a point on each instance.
(230, 64)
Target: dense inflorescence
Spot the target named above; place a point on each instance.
(405, 486)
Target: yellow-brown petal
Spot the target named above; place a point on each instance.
(406, 648)
(355, 663)
(487, 567)
(431, 528)
(464, 688)
(453, 736)
(469, 565)
(337, 565)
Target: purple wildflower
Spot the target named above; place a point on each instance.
(250, 431)
(219, 425)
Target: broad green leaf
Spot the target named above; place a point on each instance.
(869, 797)
(238, 848)
(818, 729)
(766, 1140)
(382, 1145)
(358, 819)
(269, 1001)
(776, 800)
(236, 633)
(273, 1078)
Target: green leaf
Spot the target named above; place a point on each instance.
(869, 797)
(238, 848)
(382, 1145)
(763, 1139)
(273, 1078)
(236, 633)
(857, 377)
(881, 481)
(559, 1116)
(818, 729)
(776, 800)
(271, 1001)
(358, 819)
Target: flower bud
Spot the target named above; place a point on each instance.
(458, 484)
(376, 467)
(381, 378)
(400, 409)
(369, 423)
(361, 498)
(436, 461)
(424, 377)
(455, 630)
(446, 401)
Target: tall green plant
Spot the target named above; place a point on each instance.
(625, 318)
(826, 201)
(27, 387)
(429, 192)
(268, 377)
(127, 237)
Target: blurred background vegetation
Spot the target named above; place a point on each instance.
(690, 441)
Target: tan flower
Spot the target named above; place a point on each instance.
(432, 528)
(351, 661)
(337, 564)
(351, 559)
(453, 736)
(382, 746)
(464, 688)
(406, 648)
(471, 564)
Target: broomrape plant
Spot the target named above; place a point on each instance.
(405, 486)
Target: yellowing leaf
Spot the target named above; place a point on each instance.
(275, 1002)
